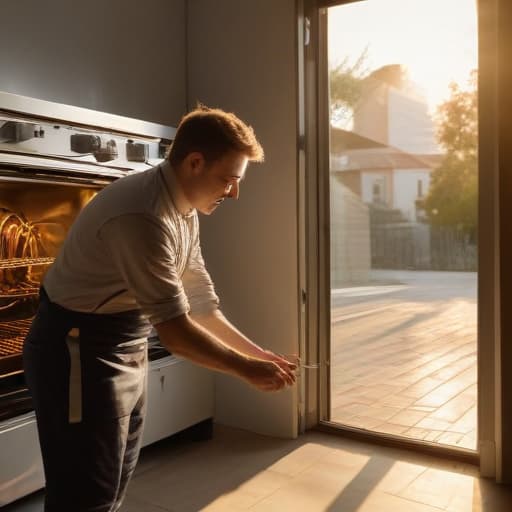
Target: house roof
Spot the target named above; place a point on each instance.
(351, 152)
(342, 140)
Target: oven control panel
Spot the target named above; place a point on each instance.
(116, 153)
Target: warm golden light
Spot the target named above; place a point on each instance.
(436, 40)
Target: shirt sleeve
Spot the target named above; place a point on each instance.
(197, 281)
(144, 253)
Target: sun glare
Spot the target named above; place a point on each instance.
(435, 40)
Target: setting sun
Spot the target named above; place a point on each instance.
(435, 41)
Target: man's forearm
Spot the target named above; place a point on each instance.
(216, 323)
(186, 338)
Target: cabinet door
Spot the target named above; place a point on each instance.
(180, 394)
(21, 467)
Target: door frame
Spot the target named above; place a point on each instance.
(317, 249)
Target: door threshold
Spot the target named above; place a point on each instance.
(418, 446)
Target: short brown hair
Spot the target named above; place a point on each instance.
(213, 132)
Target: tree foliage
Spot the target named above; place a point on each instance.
(452, 199)
(345, 85)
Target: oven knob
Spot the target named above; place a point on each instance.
(14, 131)
(84, 143)
(107, 152)
(136, 152)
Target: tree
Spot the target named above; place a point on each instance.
(452, 199)
(345, 85)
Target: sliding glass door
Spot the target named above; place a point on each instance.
(403, 191)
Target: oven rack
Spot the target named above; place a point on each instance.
(12, 335)
(10, 263)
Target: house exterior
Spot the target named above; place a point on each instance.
(389, 156)
(380, 174)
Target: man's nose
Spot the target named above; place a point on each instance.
(235, 191)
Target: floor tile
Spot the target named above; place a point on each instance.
(239, 471)
(413, 350)
(437, 488)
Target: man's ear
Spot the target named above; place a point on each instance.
(195, 162)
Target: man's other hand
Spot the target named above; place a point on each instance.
(268, 375)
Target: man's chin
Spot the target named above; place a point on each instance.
(208, 210)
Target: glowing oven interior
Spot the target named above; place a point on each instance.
(34, 219)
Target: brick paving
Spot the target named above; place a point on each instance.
(403, 356)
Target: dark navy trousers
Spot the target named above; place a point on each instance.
(87, 376)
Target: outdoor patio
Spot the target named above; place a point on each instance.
(404, 356)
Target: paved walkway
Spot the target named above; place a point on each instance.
(404, 356)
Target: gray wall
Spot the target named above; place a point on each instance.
(130, 58)
(119, 56)
(242, 57)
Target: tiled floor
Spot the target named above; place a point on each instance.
(403, 356)
(240, 471)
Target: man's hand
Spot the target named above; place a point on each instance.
(289, 362)
(268, 375)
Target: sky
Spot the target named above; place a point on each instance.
(435, 39)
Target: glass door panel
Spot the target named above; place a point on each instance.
(403, 194)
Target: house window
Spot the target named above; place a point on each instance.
(379, 190)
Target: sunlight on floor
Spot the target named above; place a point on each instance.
(241, 471)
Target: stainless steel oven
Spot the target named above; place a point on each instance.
(53, 160)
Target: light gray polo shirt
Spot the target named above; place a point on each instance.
(135, 245)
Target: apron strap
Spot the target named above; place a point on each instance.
(75, 376)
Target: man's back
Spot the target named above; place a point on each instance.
(84, 268)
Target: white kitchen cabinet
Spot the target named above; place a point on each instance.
(180, 394)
